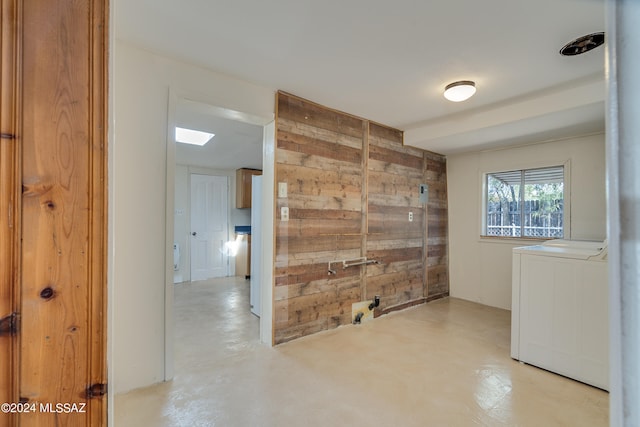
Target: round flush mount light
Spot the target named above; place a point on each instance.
(582, 44)
(460, 91)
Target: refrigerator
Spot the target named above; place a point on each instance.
(256, 244)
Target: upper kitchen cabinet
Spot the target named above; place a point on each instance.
(243, 187)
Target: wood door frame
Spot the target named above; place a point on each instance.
(89, 21)
(10, 208)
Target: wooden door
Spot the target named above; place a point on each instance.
(53, 192)
(209, 226)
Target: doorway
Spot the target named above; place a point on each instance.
(238, 142)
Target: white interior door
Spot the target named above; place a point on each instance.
(209, 226)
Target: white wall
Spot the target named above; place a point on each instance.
(480, 270)
(182, 231)
(141, 86)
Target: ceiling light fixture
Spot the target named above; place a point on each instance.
(460, 91)
(194, 137)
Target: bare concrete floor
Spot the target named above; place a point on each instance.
(442, 364)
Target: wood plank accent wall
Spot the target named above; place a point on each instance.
(395, 174)
(437, 255)
(351, 186)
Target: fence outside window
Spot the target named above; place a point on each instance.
(542, 219)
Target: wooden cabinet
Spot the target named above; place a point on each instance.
(243, 187)
(243, 258)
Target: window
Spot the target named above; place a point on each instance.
(525, 203)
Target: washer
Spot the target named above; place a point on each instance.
(559, 311)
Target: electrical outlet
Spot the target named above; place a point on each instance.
(410, 216)
(284, 213)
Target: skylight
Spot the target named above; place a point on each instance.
(194, 137)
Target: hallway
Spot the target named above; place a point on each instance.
(445, 363)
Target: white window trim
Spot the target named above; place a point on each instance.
(566, 218)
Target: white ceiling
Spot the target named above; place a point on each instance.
(236, 144)
(389, 61)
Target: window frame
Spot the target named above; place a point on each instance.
(566, 214)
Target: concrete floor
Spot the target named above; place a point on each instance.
(442, 364)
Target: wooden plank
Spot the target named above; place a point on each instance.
(331, 284)
(438, 280)
(377, 130)
(398, 278)
(399, 211)
(316, 306)
(334, 190)
(438, 254)
(320, 202)
(304, 258)
(394, 184)
(439, 231)
(10, 160)
(98, 386)
(392, 156)
(392, 293)
(395, 200)
(328, 214)
(314, 274)
(303, 129)
(310, 244)
(303, 111)
(391, 308)
(63, 283)
(393, 241)
(364, 200)
(437, 296)
(439, 159)
(393, 168)
(443, 240)
(381, 223)
(425, 239)
(389, 256)
(308, 145)
(437, 227)
(394, 267)
(319, 227)
(286, 157)
(285, 334)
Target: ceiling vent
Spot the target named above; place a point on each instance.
(582, 44)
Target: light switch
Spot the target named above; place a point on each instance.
(282, 189)
(284, 213)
